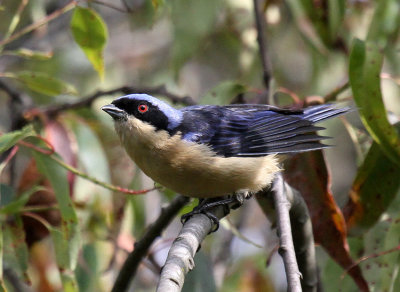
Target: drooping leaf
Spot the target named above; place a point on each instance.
(88, 270)
(19, 247)
(392, 260)
(90, 33)
(366, 60)
(337, 9)
(374, 188)
(16, 205)
(10, 139)
(385, 23)
(42, 83)
(223, 93)
(308, 173)
(66, 240)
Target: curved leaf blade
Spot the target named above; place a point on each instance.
(42, 83)
(10, 139)
(90, 33)
(66, 240)
(366, 60)
(374, 188)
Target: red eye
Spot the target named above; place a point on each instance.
(143, 108)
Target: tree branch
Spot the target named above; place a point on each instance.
(261, 39)
(53, 110)
(180, 258)
(303, 238)
(286, 249)
(133, 260)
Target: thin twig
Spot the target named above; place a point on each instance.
(286, 249)
(276, 202)
(262, 43)
(141, 248)
(49, 152)
(39, 23)
(53, 110)
(367, 257)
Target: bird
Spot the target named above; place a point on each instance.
(210, 151)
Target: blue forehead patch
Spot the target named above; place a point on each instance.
(174, 116)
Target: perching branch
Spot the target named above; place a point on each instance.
(142, 246)
(284, 199)
(261, 39)
(286, 248)
(53, 110)
(180, 258)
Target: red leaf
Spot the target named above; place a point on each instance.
(308, 173)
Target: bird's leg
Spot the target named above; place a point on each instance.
(234, 202)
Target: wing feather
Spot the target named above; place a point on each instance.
(256, 130)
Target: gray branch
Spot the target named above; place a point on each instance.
(180, 257)
(279, 202)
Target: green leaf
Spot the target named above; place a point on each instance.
(29, 54)
(374, 188)
(16, 205)
(42, 83)
(66, 241)
(10, 139)
(7, 194)
(90, 33)
(19, 248)
(365, 66)
(337, 9)
(391, 260)
(224, 93)
(385, 22)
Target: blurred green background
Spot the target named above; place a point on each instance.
(206, 50)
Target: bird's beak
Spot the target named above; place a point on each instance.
(114, 112)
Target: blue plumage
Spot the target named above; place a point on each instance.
(255, 130)
(236, 130)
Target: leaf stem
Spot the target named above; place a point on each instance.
(75, 171)
(38, 24)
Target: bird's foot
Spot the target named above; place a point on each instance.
(204, 206)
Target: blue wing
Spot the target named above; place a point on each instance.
(255, 130)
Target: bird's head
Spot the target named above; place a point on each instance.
(145, 108)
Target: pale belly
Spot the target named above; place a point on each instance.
(193, 170)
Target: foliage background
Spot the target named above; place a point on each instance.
(206, 50)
